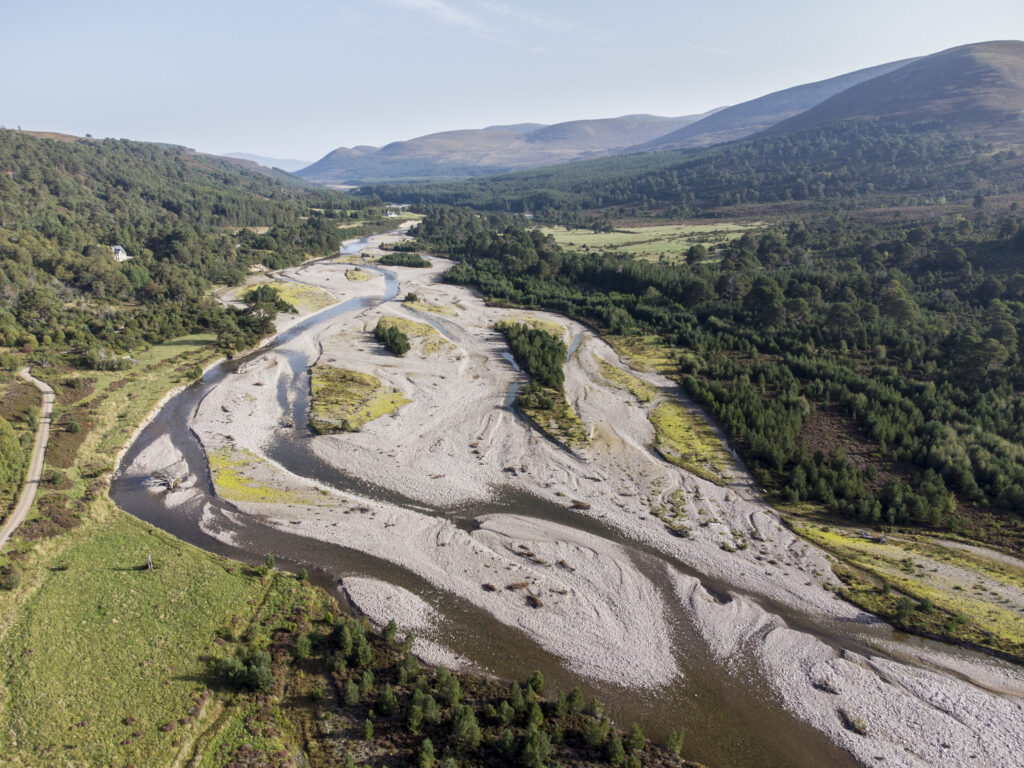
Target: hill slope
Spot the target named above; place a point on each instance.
(64, 202)
(913, 135)
(485, 151)
(972, 89)
(744, 119)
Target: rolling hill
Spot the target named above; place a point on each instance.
(491, 150)
(744, 119)
(918, 134)
(975, 90)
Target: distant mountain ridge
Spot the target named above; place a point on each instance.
(497, 149)
(748, 118)
(975, 90)
(934, 129)
(284, 164)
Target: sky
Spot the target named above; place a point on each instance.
(298, 78)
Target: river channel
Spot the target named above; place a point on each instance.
(730, 717)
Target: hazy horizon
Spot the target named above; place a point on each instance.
(297, 82)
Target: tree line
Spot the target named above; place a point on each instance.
(902, 340)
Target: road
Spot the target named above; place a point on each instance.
(35, 467)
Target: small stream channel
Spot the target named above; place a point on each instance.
(729, 716)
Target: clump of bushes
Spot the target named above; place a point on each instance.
(248, 670)
(393, 339)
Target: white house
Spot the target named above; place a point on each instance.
(120, 254)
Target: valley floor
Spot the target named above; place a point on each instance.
(606, 548)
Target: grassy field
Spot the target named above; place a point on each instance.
(686, 440)
(927, 585)
(305, 298)
(104, 654)
(667, 243)
(100, 655)
(617, 377)
(430, 341)
(356, 274)
(344, 400)
(234, 475)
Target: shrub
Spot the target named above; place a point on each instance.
(249, 670)
(11, 580)
(426, 756)
(393, 339)
(674, 742)
(351, 693)
(388, 702)
(635, 739)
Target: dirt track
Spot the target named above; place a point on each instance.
(35, 468)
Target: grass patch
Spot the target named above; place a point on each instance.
(425, 306)
(645, 353)
(617, 377)
(430, 340)
(305, 298)
(667, 242)
(357, 275)
(344, 400)
(687, 441)
(552, 413)
(233, 473)
(927, 588)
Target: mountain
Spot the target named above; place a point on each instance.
(270, 162)
(497, 149)
(745, 119)
(919, 133)
(975, 90)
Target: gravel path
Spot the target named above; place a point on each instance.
(35, 467)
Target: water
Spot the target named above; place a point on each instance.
(729, 717)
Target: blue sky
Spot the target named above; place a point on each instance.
(298, 78)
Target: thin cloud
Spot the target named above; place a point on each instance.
(525, 18)
(444, 12)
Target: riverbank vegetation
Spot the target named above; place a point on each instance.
(542, 354)
(392, 337)
(688, 441)
(344, 400)
(640, 389)
(855, 366)
(927, 586)
(870, 370)
(428, 338)
(352, 696)
(402, 259)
